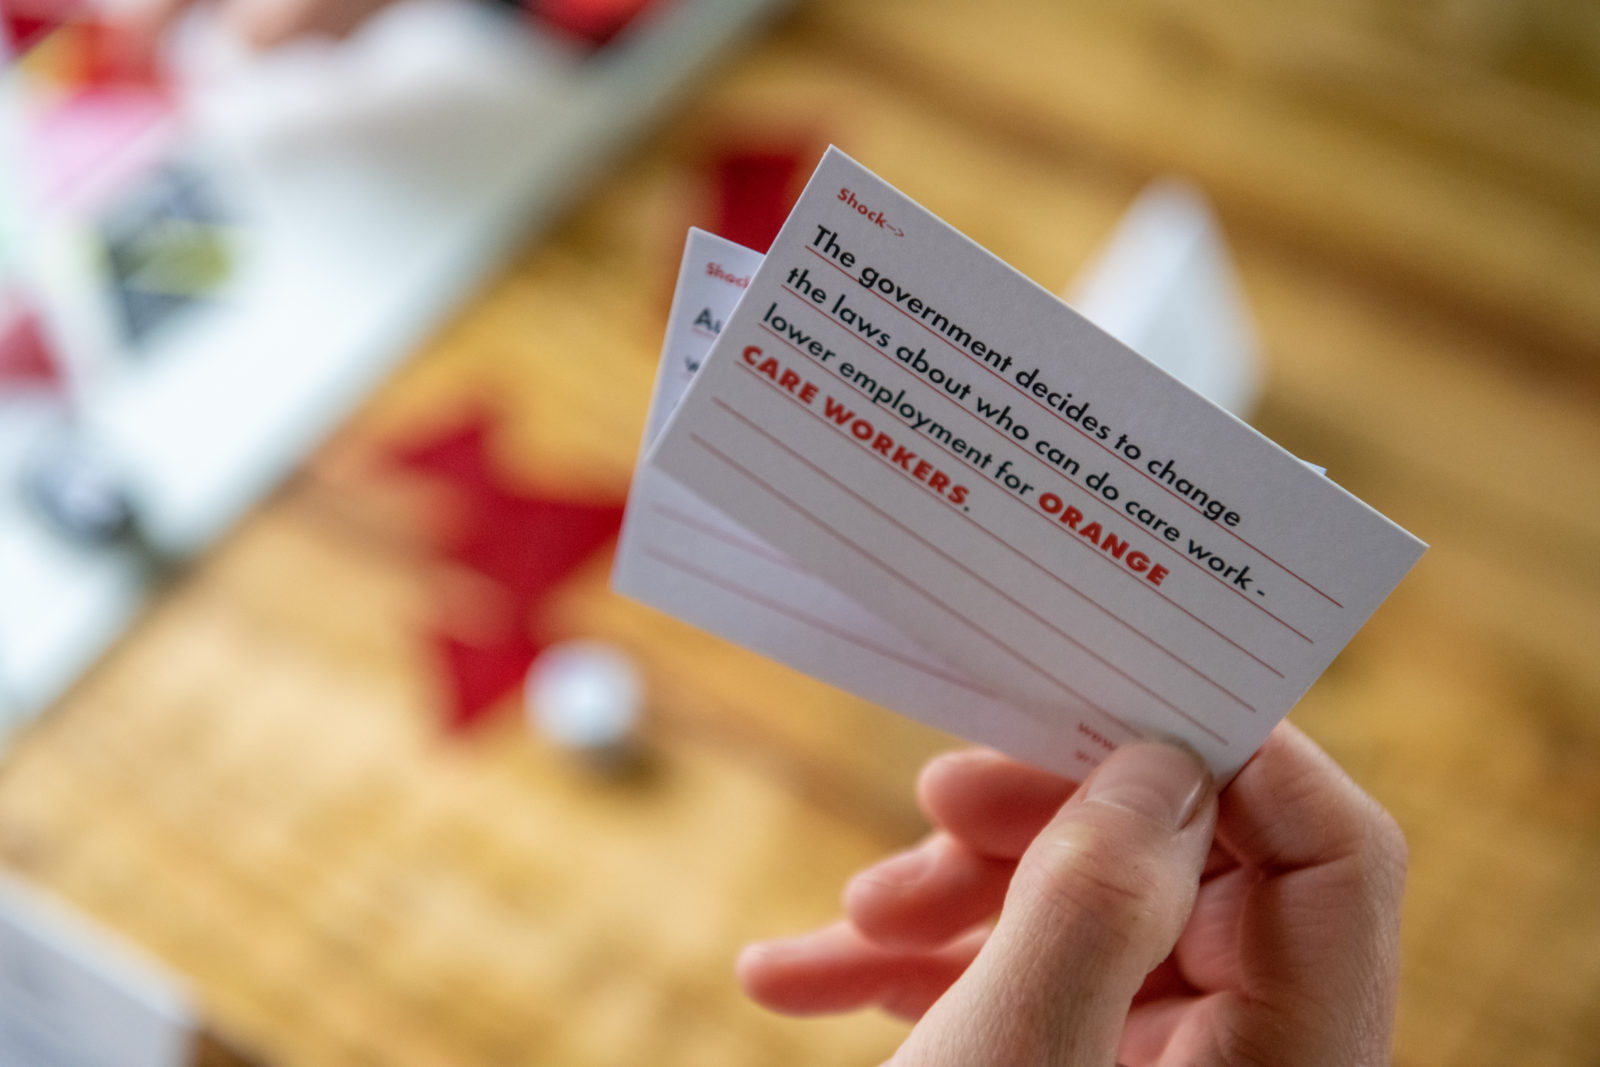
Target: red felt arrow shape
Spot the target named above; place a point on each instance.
(527, 543)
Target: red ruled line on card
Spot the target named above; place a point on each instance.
(1047, 571)
(1089, 494)
(779, 495)
(789, 611)
(1076, 429)
(1041, 620)
(978, 578)
(755, 548)
(975, 576)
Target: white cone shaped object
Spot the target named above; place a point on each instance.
(1163, 285)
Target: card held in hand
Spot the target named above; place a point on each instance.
(952, 464)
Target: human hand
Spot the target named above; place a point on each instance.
(1125, 931)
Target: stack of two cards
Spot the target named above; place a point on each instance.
(885, 458)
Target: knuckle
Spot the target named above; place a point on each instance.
(1372, 864)
(1264, 1044)
(1091, 879)
(1386, 852)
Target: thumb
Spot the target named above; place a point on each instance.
(1097, 902)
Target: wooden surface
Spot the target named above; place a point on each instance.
(253, 785)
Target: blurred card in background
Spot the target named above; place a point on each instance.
(74, 995)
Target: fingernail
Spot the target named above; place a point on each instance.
(1158, 780)
(901, 871)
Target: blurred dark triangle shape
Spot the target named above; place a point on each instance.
(529, 545)
(27, 23)
(755, 190)
(25, 357)
(526, 543)
(459, 453)
(593, 22)
(479, 675)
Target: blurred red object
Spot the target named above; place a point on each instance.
(25, 357)
(754, 192)
(26, 22)
(111, 57)
(594, 22)
(101, 52)
(459, 454)
(479, 675)
(527, 544)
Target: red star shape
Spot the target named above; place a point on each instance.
(526, 543)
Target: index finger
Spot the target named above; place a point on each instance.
(989, 802)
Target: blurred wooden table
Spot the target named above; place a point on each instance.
(253, 786)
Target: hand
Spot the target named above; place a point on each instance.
(1126, 932)
(261, 23)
